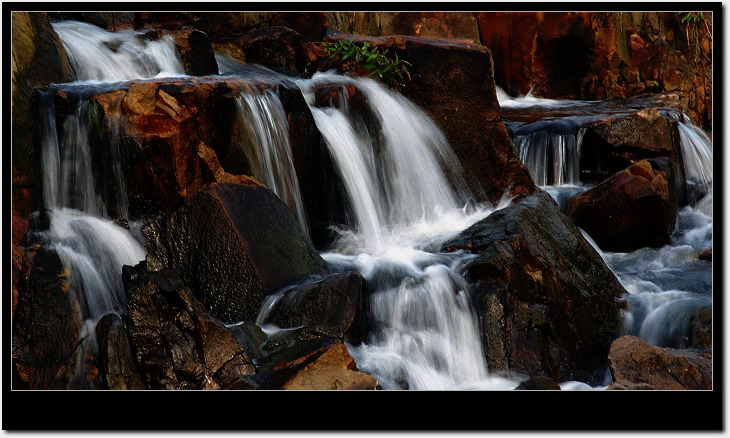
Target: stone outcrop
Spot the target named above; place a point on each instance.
(630, 210)
(117, 362)
(232, 244)
(533, 283)
(275, 47)
(633, 360)
(333, 368)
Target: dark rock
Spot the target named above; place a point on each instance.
(117, 361)
(196, 52)
(331, 302)
(706, 255)
(625, 385)
(456, 25)
(539, 383)
(111, 21)
(258, 247)
(46, 325)
(635, 361)
(700, 335)
(275, 47)
(630, 210)
(533, 282)
(178, 344)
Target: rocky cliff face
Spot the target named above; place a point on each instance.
(591, 55)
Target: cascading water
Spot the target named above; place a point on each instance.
(425, 332)
(98, 55)
(267, 147)
(667, 285)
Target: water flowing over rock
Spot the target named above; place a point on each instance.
(533, 282)
(232, 244)
(630, 210)
(178, 344)
(633, 360)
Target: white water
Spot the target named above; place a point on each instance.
(529, 100)
(552, 158)
(425, 332)
(92, 247)
(266, 145)
(101, 56)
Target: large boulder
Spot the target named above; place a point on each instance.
(233, 244)
(533, 283)
(452, 82)
(331, 368)
(630, 210)
(633, 360)
(117, 362)
(38, 58)
(332, 302)
(178, 344)
(46, 325)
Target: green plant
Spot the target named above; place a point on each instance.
(693, 17)
(375, 61)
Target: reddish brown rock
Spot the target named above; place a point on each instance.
(598, 55)
(457, 25)
(633, 360)
(628, 211)
(333, 368)
(274, 47)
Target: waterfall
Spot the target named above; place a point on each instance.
(426, 333)
(90, 245)
(98, 55)
(552, 158)
(267, 147)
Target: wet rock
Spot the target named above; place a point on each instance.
(700, 326)
(46, 325)
(332, 302)
(452, 82)
(628, 211)
(332, 368)
(635, 361)
(613, 144)
(540, 383)
(258, 248)
(117, 361)
(177, 343)
(625, 385)
(533, 283)
(275, 47)
(706, 255)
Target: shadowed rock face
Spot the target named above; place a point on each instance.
(117, 362)
(630, 210)
(633, 360)
(233, 244)
(534, 283)
(333, 302)
(46, 326)
(177, 343)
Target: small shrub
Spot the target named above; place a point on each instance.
(375, 61)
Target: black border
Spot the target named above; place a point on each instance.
(379, 410)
